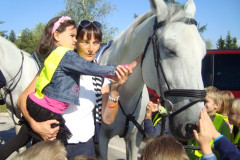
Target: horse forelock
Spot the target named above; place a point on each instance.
(174, 14)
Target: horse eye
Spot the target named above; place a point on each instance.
(171, 52)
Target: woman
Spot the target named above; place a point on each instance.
(89, 37)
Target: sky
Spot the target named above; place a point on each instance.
(220, 16)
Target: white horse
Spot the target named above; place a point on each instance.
(19, 68)
(171, 65)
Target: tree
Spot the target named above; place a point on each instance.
(37, 32)
(3, 33)
(91, 10)
(12, 36)
(25, 41)
(221, 43)
(201, 29)
(229, 43)
(208, 44)
(234, 45)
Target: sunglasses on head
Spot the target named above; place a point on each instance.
(85, 23)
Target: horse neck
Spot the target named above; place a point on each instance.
(125, 48)
(11, 59)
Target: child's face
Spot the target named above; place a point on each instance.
(67, 38)
(211, 106)
(234, 119)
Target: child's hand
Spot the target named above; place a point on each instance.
(134, 63)
(156, 106)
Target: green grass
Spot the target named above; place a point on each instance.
(3, 108)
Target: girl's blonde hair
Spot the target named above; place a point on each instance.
(235, 108)
(215, 94)
(227, 98)
(44, 150)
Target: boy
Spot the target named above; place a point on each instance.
(213, 103)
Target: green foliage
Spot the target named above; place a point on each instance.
(220, 43)
(208, 44)
(37, 33)
(91, 10)
(201, 29)
(228, 43)
(25, 41)
(12, 36)
(3, 33)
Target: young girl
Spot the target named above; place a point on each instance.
(227, 98)
(57, 85)
(234, 119)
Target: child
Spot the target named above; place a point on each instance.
(153, 120)
(234, 119)
(163, 148)
(227, 98)
(207, 132)
(57, 85)
(44, 150)
(212, 104)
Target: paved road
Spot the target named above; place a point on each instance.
(116, 145)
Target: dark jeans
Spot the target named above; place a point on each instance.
(20, 140)
(77, 149)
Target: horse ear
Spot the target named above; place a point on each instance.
(190, 8)
(159, 8)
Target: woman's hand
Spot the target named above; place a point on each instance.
(44, 129)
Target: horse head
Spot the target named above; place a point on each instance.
(177, 49)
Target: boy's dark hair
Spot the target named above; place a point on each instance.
(46, 43)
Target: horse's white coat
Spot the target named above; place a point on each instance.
(181, 49)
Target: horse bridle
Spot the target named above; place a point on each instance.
(12, 86)
(198, 95)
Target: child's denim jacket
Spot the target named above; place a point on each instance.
(63, 85)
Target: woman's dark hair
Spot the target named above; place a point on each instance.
(89, 29)
(46, 43)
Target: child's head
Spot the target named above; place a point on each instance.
(227, 98)
(213, 100)
(60, 31)
(164, 147)
(44, 150)
(89, 38)
(234, 113)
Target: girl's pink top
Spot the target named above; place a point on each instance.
(49, 103)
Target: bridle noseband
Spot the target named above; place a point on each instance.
(198, 95)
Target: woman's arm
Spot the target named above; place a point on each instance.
(109, 113)
(42, 128)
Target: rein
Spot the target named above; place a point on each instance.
(198, 95)
(130, 117)
(12, 86)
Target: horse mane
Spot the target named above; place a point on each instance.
(123, 39)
